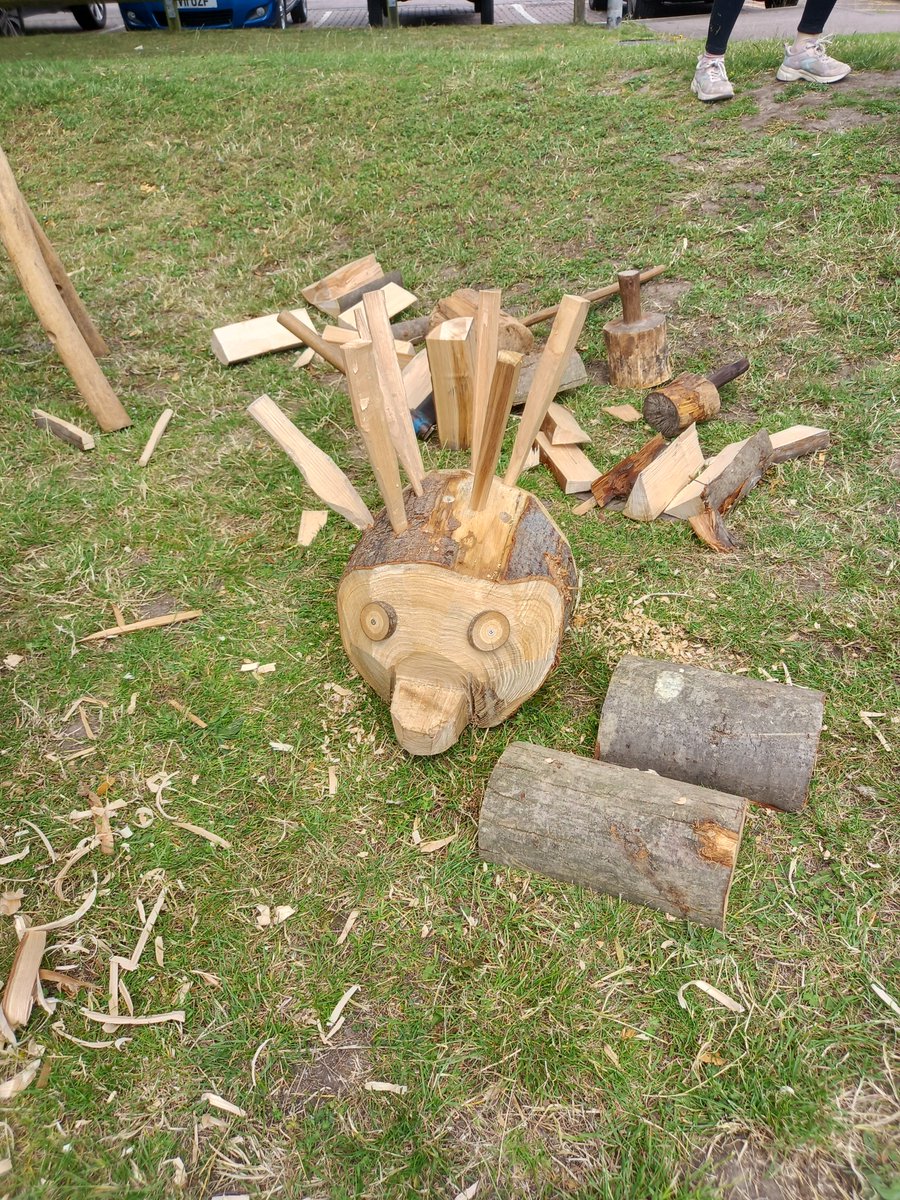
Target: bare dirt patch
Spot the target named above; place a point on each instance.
(745, 1169)
(332, 1071)
(806, 108)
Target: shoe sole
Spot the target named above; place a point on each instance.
(705, 97)
(792, 74)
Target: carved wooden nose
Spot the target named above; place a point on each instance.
(428, 716)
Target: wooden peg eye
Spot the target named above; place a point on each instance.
(378, 621)
(489, 631)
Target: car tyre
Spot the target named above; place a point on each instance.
(642, 10)
(11, 23)
(487, 12)
(377, 13)
(90, 16)
(300, 13)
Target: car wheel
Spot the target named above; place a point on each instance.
(11, 23)
(597, 5)
(299, 13)
(90, 16)
(377, 13)
(487, 12)
(642, 10)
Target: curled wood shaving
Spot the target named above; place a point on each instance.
(71, 984)
(50, 851)
(85, 846)
(118, 1044)
(712, 992)
(11, 858)
(377, 1085)
(72, 918)
(144, 817)
(886, 997)
(186, 712)
(224, 1105)
(257, 1052)
(19, 1082)
(208, 977)
(342, 1003)
(866, 718)
(85, 814)
(159, 952)
(204, 833)
(152, 1019)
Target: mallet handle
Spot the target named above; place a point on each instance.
(630, 291)
(727, 373)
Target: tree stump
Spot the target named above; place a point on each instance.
(459, 619)
(747, 736)
(652, 841)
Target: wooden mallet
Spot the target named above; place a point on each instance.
(689, 398)
(636, 345)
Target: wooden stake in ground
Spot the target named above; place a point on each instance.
(64, 430)
(17, 235)
(451, 361)
(389, 379)
(566, 330)
(633, 834)
(486, 332)
(370, 419)
(499, 404)
(458, 620)
(636, 345)
(747, 736)
(156, 433)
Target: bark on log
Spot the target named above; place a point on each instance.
(627, 833)
(618, 481)
(746, 736)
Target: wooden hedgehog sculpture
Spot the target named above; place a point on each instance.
(454, 603)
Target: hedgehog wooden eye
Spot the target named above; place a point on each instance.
(489, 631)
(378, 621)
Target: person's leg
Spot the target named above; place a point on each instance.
(806, 58)
(710, 79)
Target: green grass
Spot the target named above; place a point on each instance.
(536, 1027)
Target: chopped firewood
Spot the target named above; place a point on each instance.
(728, 487)
(689, 501)
(223, 1105)
(623, 412)
(417, 380)
(147, 623)
(570, 466)
(511, 333)
(338, 335)
(155, 434)
(396, 299)
(18, 995)
(260, 335)
(561, 429)
(64, 430)
(186, 712)
(312, 521)
(573, 376)
(100, 813)
(659, 482)
(797, 441)
(618, 481)
(351, 299)
(325, 293)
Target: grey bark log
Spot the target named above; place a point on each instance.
(667, 845)
(746, 736)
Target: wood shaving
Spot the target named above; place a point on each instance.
(132, 705)
(713, 992)
(263, 916)
(253, 1061)
(153, 1019)
(204, 833)
(342, 1004)
(86, 725)
(84, 847)
(265, 669)
(11, 902)
(44, 839)
(76, 704)
(282, 747)
(224, 1105)
(13, 660)
(71, 984)
(19, 1082)
(72, 918)
(348, 925)
(186, 712)
(281, 913)
(332, 781)
(144, 817)
(102, 827)
(377, 1085)
(118, 1044)
(886, 997)
(158, 951)
(467, 1193)
(867, 720)
(611, 1055)
(439, 844)
(85, 814)
(208, 977)
(179, 1173)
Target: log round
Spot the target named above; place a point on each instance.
(637, 352)
(747, 736)
(652, 841)
(459, 619)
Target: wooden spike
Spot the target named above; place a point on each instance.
(64, 430)
(417, 380)
(309, 337)
(565, 332)
(452, 367)
(503, 388)
(670, 471)
(325, 293)
(486, 332)
(393, 393)
(28, 262)
(369, 415)
(321, 473)
(80, 315)
(155, 434)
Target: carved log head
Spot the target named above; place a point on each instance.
(459, 619)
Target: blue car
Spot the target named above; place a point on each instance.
(215, 14)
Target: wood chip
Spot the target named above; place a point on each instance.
(332, 781)
(282, 747)
(51, 853)
(263, 916)
(342, 1004)
(712, 992)
(439, 844)
(623, 412)
(186, 712)
(19, 993)
(148, 623)
(223, 1105)
(102, 828)
(118, 1044)
(867, 720)
(152, 1019)
(208, 977)
(11, 902)
(18, 1083)
(348, 926)
(312, 522)
(204, 833)
(886, 997)
(611, 1055)
(281, 912)
(12, 661)
(377, 1085)
(159, 952)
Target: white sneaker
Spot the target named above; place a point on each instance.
(711, 81)
(811, 62)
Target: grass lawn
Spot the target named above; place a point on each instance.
(535, 1026)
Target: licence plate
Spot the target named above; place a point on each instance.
(198, 4)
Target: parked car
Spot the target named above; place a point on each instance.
(215, 14)
(378, 11)
(642, 10)
(88, 16)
